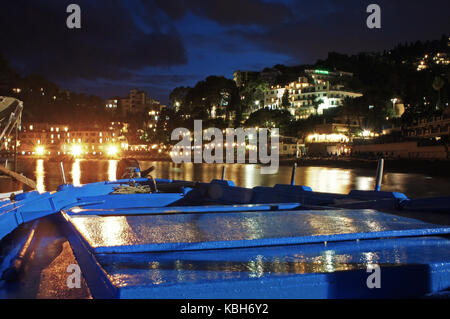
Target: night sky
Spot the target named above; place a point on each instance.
(161, 44)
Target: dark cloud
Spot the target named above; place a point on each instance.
(175, 9)
(109, 45)
(145, 43)
(340, 25)
(229, 12)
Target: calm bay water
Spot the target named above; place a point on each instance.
(323, 179)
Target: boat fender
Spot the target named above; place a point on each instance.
(17, 264)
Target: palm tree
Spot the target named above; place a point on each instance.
(285, 103)
(347, 110)
(438, 84)
(316, 104)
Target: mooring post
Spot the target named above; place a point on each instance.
(379, 177)
(16, 137)
(224, 169)
(294, 171)
(63, 176)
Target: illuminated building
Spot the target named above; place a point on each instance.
(440, 58)
(41, 139)
(436, 127)
(330, 95)
(325, 75)
(134, 103)
(36, 137)
(90, 141)
(329, 139)
(272, 97)
(112, 103)
(307, 91)
(290, 147)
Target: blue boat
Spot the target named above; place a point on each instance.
(180, 239)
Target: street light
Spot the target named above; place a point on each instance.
(76, 150)
(40, 150)
(112, 150)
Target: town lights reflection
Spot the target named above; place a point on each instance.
(112, 166)
(76, 173)
(40, 174)
(325, 179)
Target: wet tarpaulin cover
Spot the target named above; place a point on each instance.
(151, 233)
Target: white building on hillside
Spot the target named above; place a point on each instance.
(305, 93)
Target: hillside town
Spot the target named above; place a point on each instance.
(322, 110)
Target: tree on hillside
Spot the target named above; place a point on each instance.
(354, 108)
(168, 121)
(316, 103)
(285, 103)
(252, 95)
(8, 77)
(301, 128)
(438, 84)
(347, 110)
(281, 119)
(178, 96)
(211, 98)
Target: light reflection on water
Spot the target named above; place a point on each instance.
(322, 179)
(112, 166)
(329, 180)
(76, 173)
(130, 269)
(128, 273)
(48, 175)
(40, 175)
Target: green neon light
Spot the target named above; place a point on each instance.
(321, 71)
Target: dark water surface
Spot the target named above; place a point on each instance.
(323, 179)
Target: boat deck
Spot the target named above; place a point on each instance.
(216, 240)
(259, 254)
